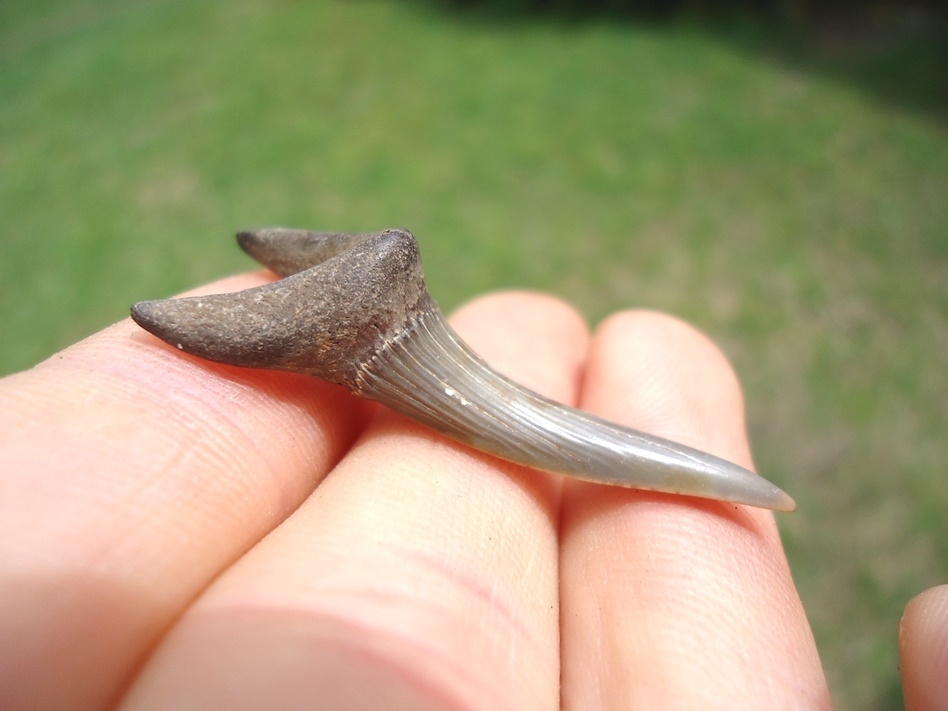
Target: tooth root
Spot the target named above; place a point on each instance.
(354, 310)
(247, 328)
(324, 321)
(288, 251)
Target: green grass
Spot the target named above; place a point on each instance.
(795, 212)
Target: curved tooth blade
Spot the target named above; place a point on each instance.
(431, 376)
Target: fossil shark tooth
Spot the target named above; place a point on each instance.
(353, 309)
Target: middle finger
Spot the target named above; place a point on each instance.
(419, 575)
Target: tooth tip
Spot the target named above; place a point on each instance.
(763, 494)
(782, 501)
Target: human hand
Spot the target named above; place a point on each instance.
(180, 534)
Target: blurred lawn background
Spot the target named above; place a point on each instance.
(783, 187)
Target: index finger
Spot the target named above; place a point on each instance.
(131, 476)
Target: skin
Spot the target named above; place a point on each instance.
(923, 645)
(181, 534)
